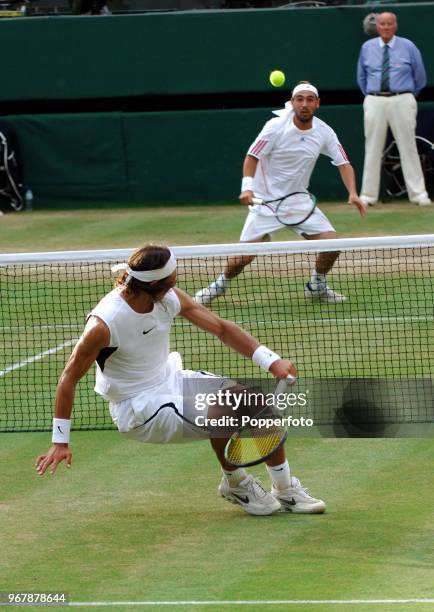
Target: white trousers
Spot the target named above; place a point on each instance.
(398, 112)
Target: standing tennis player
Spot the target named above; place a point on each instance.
(280, 162)
(127, 334)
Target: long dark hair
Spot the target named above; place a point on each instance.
(148, 257)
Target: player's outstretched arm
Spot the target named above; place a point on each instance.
(349, 180)
(95, 337)
(233, 336)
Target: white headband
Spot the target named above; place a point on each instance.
(305, 87)
(149, 275)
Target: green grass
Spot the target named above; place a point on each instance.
(143, 522)
(106, 228)
(133, 522)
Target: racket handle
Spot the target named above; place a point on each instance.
(257, 201)
(290, 379)
(282, 384)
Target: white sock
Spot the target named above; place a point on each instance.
(280, 475)
(317, 280)
(222, 281)
(235, 476)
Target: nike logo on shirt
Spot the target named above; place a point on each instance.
(146, 331)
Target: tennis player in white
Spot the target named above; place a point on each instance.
(279, 162)
(127, 334)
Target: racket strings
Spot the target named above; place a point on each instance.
(289, 212)
(253, 444)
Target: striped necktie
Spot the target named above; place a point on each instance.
(385, 85)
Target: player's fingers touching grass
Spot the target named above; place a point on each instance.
(55, 455)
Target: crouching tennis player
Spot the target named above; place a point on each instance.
(127, 334)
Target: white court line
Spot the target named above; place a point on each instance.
(337, 321)
(21, 328)
(349, 320)
(38, 357)
(311, 322)
(280, 602)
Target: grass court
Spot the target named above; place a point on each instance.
(140, 523)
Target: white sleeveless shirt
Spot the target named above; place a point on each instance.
(136, 358)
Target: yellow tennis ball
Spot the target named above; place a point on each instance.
(277, 78)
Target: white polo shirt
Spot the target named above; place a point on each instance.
(136, 358)
(287, 155)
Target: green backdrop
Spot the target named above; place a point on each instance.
(191, 51)
(191, 155)
(158, 157)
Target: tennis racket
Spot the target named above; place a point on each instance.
(252, 444)
(288, 210)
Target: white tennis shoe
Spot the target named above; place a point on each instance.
(296, 499)
(424, 201)
(208, 294)
(368, 201)
(323, 293)
(251, 495)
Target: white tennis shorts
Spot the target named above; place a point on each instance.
(157, 416)
(261, 222)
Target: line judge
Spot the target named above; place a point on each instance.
(390, 73)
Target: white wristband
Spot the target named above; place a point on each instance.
(61, 429)
(263, 357)
(247, 183)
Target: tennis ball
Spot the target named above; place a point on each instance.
(277, 78)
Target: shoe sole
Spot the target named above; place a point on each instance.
(266, 512)
(309, 296)
(318, 509)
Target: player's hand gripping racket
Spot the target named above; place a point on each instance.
(253, 443)
(288, 210)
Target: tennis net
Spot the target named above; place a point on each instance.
(382, 333)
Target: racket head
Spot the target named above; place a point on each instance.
(250, 445)
(283, 210)
(244, 449)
